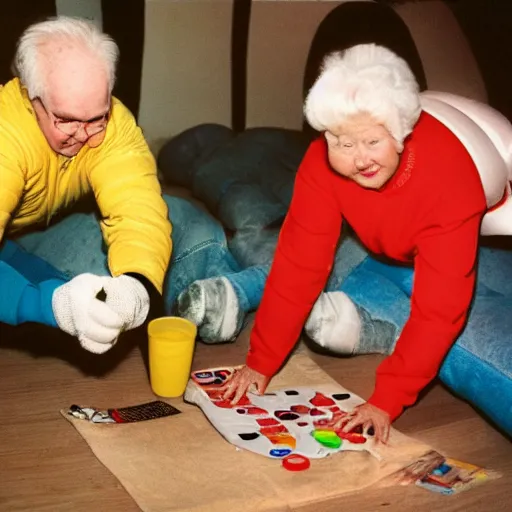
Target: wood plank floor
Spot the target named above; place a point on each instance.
(46, 466)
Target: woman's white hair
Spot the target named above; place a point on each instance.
(366, 78)
(27, 63)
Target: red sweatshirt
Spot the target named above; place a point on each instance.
(429, 213)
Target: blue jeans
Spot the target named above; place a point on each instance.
(248, 180)
(479, 365)
(75, 245)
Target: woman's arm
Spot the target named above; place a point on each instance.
(445, 268)
(303, 260)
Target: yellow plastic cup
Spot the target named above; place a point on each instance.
(171, 348)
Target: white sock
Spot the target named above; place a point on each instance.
(212, 305)
(334, 323)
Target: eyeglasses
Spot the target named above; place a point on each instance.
(95, 129)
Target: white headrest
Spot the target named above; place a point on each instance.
(487, 135)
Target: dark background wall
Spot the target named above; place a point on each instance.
(487, 25)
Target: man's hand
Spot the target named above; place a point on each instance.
(80, 313)
(241, 381)
(129, 298)
(367, 416)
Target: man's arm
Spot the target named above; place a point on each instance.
(18, 295)
(135, 221)
(12, 182)
(27, 286)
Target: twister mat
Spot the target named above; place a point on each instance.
(290, 420)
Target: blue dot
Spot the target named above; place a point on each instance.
(280, 452)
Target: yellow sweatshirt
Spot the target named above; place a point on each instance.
(36, 182)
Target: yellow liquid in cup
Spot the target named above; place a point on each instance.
(171, 348)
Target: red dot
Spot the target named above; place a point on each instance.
(265, 422)
(320, 400)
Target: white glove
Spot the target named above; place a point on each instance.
(129, 299)
(79, 313)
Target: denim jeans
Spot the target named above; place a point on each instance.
(75, 245)
(479, 365)
(248, 181)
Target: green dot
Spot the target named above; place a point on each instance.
(327, 438)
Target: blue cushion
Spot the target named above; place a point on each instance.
(479, 366)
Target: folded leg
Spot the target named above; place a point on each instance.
(75, 245)
(246, 180)
(372, 305)
(219, 305)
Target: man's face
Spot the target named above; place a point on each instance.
(75, 109)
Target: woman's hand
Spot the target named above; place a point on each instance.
(367, 416)
(241, 381)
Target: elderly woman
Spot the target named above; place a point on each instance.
(412, 193)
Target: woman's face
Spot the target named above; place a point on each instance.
(363, 151)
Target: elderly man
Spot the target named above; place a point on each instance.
(62, 136)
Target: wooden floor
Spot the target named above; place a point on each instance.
(46, 466)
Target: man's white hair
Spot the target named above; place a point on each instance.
(366, 78)
(27, 63)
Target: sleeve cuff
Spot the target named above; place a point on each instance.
(35, 303)
(156, 301)
(387, 402)
(260, 365)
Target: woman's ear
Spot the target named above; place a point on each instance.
(399, 146)
(332, 140)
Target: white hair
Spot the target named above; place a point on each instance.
(27, 60)
(366, 78)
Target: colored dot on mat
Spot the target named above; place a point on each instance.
(320, 400)
(341, 396)
(286, 415)
(280, 452)
(267, 422)
(352, 437)
(203, 375)
(327, 438)
(299, 409)
(250, 436)
(223, 374)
